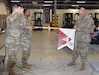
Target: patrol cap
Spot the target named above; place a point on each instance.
(16, 4)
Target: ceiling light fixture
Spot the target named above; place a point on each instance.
(75, 5)
(48, 1)
(46, 4)
(34, 2)
(15, 1)
(81, 2)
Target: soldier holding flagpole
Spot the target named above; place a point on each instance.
(84, 27)
(25, 38)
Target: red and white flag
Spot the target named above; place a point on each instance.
(66, 37)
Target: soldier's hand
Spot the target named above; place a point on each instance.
(77, 28)
(21, 24)
(21, 10)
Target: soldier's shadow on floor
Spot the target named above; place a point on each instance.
(93, 49)
(67, 50)
(2, 69)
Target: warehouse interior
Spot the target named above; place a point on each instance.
(45, 57)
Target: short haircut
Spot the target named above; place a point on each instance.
(15, 5)
(83, 9)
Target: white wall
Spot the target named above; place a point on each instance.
(60, 12)
(3, 10)
(36, 10)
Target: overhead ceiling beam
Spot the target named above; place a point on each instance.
(60, 3)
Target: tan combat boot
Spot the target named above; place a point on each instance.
(71, 63)
(12, 73)
(82, 66)
(10, 68)
(27, 65)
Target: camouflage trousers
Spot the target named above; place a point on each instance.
(12, 47)
(26, 48)
(82, 50)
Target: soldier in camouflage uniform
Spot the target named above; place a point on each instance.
(25, 38)
(84, 26)
(13, 37)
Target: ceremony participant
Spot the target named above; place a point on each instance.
(25, 38)
(84, 27)
(13, 37)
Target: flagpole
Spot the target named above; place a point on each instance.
(36, 27)
(63, 35)
(75, 41)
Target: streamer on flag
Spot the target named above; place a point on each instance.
(66, 37)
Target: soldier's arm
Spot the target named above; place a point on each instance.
(23, 23)
(76, 26)
(13, 18)
(91, 26)
(23, 26)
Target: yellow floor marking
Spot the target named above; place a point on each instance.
(56, 54)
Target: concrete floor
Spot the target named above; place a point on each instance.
(46, 59)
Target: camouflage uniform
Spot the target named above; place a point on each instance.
(83, 37)
(25, 39)
(12, 39)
